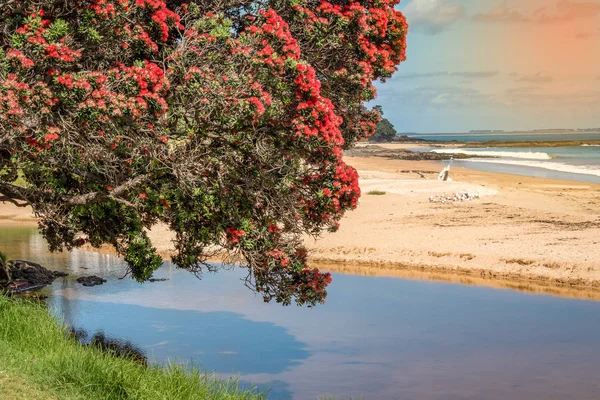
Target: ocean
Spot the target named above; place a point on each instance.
(575, 163)
(509, 137)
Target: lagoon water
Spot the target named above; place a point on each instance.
(379, 338)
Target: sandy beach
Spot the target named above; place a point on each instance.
(541, 231)
(521, 228)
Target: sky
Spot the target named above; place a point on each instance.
(496, 64)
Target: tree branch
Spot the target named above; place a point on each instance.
(95, 197)
(16, 192)
(10, 200)
(13, 193)
(7, 3)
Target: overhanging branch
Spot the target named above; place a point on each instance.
(96, 197)
(14, 194)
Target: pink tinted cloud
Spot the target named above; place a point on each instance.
(563, 11)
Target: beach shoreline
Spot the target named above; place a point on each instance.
(521, 231)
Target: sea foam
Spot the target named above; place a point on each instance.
(512, 154)
(554, 166)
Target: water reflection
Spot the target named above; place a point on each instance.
(382, 338)
(117, 347)
(223, 342)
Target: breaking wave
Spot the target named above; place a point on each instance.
(554, 166)
(511, 154)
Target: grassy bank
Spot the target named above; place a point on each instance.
(39, 360)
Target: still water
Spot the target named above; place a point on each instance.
(379, 338)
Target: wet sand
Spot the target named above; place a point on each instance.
(521, 231)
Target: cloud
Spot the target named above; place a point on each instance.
(432, 16)
(521, 90)
(462, 74)
(567, 10)
(584, 35)
(445, 97)
(535, 78)
(562, 11)
(541, 99)
(476, 74)
(501, 14)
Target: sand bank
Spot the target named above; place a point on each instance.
(520, 228)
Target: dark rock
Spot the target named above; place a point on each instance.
(91, 280)
(32, 273)
(4, 273)
(402, 154)
(157, 279)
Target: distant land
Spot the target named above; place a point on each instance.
(484, 131)
(554, 130)
(562, 130)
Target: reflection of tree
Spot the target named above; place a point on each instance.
(110, 345)
(223, 342)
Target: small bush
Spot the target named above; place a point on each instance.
(376, 193)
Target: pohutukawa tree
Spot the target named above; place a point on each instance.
(224, 119)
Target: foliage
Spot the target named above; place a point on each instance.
(36, 349)
(376, 193)
(384, 131)
(224, 120)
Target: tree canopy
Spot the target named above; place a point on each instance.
(384, 131)
(224, 119)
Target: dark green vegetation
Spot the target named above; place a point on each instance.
(41, 360)
(385, 131)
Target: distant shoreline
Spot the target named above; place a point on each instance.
(535, 132)
(419, 142)
(497, 143)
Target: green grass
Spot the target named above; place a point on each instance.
(40, 360)
(376, 193)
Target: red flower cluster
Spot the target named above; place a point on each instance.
(108, 9)
(52, 134)
(34, 33)
(234, 235)
(20, 57)
(312, 284)
(161, 15)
